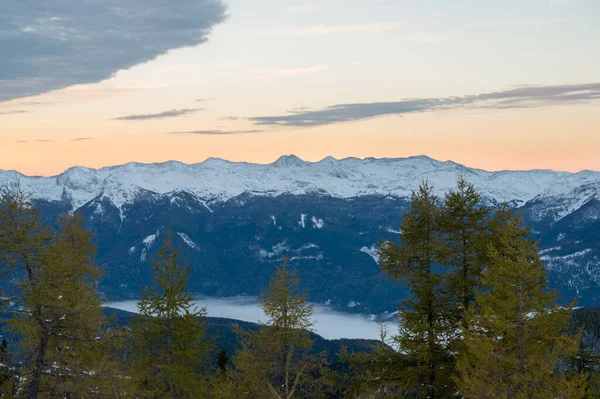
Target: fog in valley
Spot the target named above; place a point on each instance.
(328, 323)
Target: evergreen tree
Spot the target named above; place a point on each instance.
(170, 349)
(463, 222)
(52, 285)
(7, 374)
(516, 335)
(222, 361)
(425, 325)
(275, 361)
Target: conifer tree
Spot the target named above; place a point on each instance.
(170, 349)
(274, 362)
(517, 332)
(425, 325)
(222, 361)
(463, 220)
(57, 309)
(7, 374)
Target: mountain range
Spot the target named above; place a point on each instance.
(234, 221)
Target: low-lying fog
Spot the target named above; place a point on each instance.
(328, 323)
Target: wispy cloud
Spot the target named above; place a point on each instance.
(14, 112)
(425, 37)
(92, 91)
(298, 109)
(298, 71)
(304, 8)
(92, 40)
(520, 97)
(541, 21)
(203, 100)
(82, 139)
(323, 30)
(167, 114)
(231, 64)
(220, 132)
(38, 103)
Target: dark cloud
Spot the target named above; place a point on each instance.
(521, 97)
(167, 114)
(82, 139)
(219, 132)
(14, 112)
(51, 44)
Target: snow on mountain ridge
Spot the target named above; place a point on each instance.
(217, 180)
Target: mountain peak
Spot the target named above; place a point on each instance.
(289, 161)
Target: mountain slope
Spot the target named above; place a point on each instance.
(234, 221)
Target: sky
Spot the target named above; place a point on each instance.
(497, 84)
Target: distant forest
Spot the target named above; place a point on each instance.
(479, 323)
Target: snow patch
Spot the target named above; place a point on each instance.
(149, 240)
(566, 257)
(372, 252)
(303, 220)
(276, 250)
(317, 223)
(188, 241)
(353, 304)
(545, 251)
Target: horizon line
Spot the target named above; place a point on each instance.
(293, 156)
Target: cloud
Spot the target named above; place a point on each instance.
(333, 30)
(167, 114)
(541, 21)
(328, 323)
(203, 100)
(38, 103)
(298, 109)
(14, 112)
(99, 90)
(298, 71)
(425, 38)
(520, 97)
(82, 139)
(231, 64)
(53, 44)
(219, 132)
(302, 8)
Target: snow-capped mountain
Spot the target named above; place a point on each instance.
(235, 219)
(217, 180)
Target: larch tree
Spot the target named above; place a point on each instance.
(170, 351)
(52, 289)
(426, 327)
(516, 335)
(275, 361)
(463, 228)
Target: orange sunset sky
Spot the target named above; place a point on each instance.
(495, 85)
